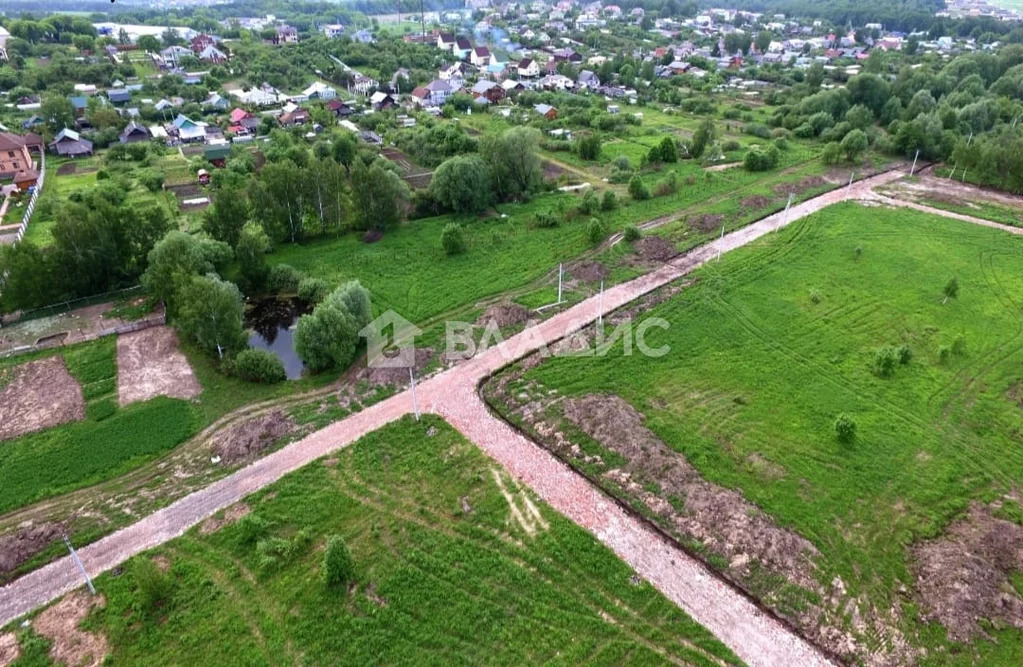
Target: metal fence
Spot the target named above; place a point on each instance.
(127, 327)
(35, 197)
(65, 306)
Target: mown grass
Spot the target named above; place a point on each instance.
(759, 371)
(443, 575)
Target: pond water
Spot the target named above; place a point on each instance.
(271, 324)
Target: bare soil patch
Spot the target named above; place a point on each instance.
(655, 248)
(551, 171)
(963, 577)
(26, 542)
(756, 202)
(149, 364)
(1014, 393)
(722, 519)
(504, 314)
(588, 271)
(252, 436)
(39, 395)
(9, 649)
(707, 222)
(230, 516)
(802, 186)
(396, 376)
(185, 190)
(67, 169)
(71, 644)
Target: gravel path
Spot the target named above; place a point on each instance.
(755, 637)
(891, 201)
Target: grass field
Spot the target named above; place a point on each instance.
(777, 339)
(443, 575)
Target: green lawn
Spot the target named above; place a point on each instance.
(443, 574)
(758, 370)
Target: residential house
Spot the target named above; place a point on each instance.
(587, 80)
(242, 122)
(462, 48)
(364, 36)
(400, 80)
(172, 55)
(547, 111)
(187, 130)
(79, 105)
(380, 101)
(201, 41)
(217, 102)
(556, 82)
(339, 108)
(445, 41)
(69, 143)
(217, 154)
(528, 67)
(362, 84)
(488, 90)
(212, 54)
(567, 54)
(511, 86)
(134, 132)
(286, 34)
(15, 157)
(85, 89)
(293, 118)
(480, 56)
(438, 91)
(118, 96)
(333, 30)
(319, 91)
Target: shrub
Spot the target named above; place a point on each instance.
(273, 552)
(452, 239)
(545, 219)
(312, 290)
(905, 354)
(959, 345)
(832, 153)
(631, 234)
(153, 587)
(781, 143)
(668, 186)
(251, 528)
(609, 201)
(151, 179)
(589, 204)
(951, 288)
(596, 230)
(338, 566)
(638, 189)
(944, 353)
(760, 159)
(858, 252)
(102, 175)
(885, 360)
(588, 146)
(259, 366)
(845, 428)
(283, 278)
(758, 130)
(815, 295)
(730, 145)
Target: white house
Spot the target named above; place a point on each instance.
(480, 56)
(528, 67)
(319, 91)
(333, 30)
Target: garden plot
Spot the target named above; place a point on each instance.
(38, 395)
(150, 364)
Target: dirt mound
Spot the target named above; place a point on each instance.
(40, 394)
(725, 522)
(963, 576)
(21, 545)
(9, 649)
(230, 515)
(707, 222)
(71, 645)
(252, 436)
(756, 201)
(590, 272)
(504, 314)
(396, 376)
(655, 248)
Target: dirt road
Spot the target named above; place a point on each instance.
(755, 637)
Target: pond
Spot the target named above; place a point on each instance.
(271, 324)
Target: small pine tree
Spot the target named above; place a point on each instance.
(452, 239)
(338, 566)
(631, 234)
(596, 231)
(638, 189)
(951, 288)
(609, 202)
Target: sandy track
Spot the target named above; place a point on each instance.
(755, 637)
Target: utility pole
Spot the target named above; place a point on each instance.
(78, 563)
(561, 273)
(852, 175)
(953, 173)
(600, 307)
(964, 175)
(913, 168)
(415, 400)
(970, 140)
(422, 19)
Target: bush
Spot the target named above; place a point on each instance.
(944, 353)
(885, 360)
(905, 354)
(452, 239)
(589, 204)
(338, 566)
(667, 186)
(832, 153)
(845, 428)
(312, 290)
(545, 219)
(151, 179)
(259, 366)
(959, 346)
(283, 278)
(759, 130)
(951, 288)
(730, 146)
(815, 295)
(631, 234)
(596, 230)
(781, 143)
(250, 528)
(102, 175)
(638, 189)
(588, 146)
(609, 201)
(153, 587)
(760, 159)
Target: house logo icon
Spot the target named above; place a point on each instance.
(390, 341)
